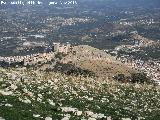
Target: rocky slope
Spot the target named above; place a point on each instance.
(26, 94)
(97, 61)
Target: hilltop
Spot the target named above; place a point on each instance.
(97, 61)
(31, 93)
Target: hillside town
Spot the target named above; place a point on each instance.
(150, 67)
(34, 59)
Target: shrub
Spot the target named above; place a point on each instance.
(139, 78)
(119, 77)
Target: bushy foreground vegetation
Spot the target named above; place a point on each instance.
(138, 77)
(34, 95)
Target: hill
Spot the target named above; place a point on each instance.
(97, 61)
(26, 94)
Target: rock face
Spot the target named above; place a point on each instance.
(97, 61)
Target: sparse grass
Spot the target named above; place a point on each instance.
(30, 93)
(97, 61)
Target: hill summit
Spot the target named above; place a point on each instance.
(97, 61)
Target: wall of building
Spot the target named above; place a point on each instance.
(62, 48)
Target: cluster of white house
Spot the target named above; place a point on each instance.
(27, 60)
(150, 67)
(38, 58)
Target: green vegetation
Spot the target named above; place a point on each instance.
(70, 69)
(33, 95)
(134, 78)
